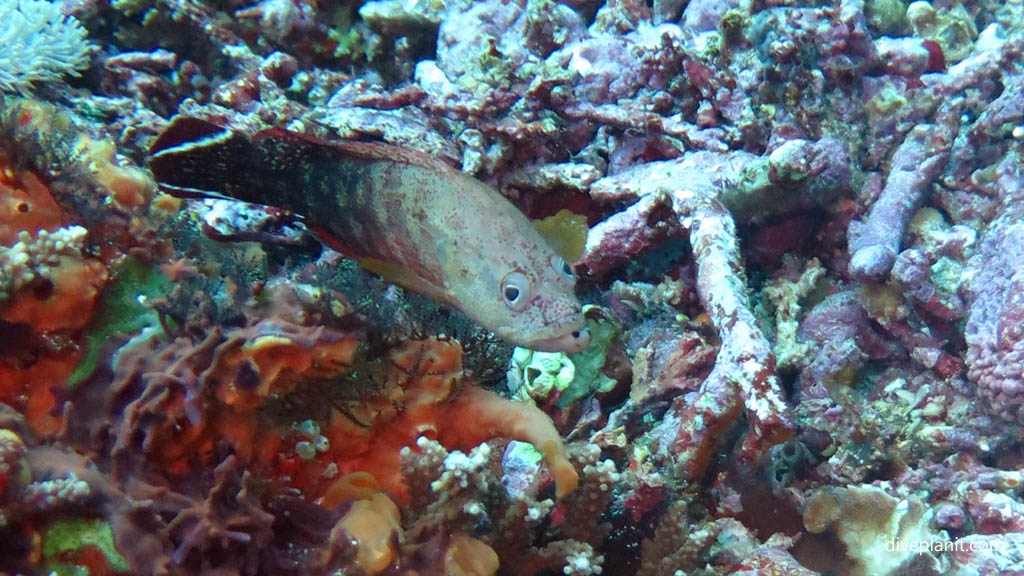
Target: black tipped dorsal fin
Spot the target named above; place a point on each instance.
(183, 130)
(198, 158)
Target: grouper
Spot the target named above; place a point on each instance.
(399, 213)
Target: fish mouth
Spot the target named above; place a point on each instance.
(571, 336)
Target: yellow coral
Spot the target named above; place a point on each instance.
(373, 525)
(467, 556)
(868, 521)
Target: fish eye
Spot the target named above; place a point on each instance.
(562, 267)
(515, 290)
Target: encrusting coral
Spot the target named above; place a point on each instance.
(994, 332)
(801, 246)
(187, 401)
(51, 281)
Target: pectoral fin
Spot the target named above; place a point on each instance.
(401, 275)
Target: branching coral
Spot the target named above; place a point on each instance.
(689, 194)
(484, 493)
(258, 412)
(31, 258)
(915, 165)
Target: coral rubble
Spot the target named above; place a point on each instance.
(797, 230)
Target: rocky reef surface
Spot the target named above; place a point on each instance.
(803, 275)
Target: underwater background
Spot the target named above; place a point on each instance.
(796, 230)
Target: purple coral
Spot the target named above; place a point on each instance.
(916, 164)
(995, 327)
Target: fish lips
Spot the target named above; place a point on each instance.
(573, 337)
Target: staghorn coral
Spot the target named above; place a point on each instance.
(915, 165)
(745, 368)
(887, 387)
(673, 546)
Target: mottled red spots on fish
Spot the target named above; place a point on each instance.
(410, 218)
(554, 310)
(377, 151)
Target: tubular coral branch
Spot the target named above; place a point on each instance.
(621, 232)
(702, 419)
(745, 359)
(916, 164)
(798, 174)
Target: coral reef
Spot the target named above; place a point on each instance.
(797, 231)
(54, 267)
(996, 296)
(40, 43)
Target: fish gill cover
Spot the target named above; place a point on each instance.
(802, 276)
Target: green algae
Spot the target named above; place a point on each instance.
(886, 102)
(589, 379)
(73, 535)
(121, 310)
(350, 43)
(951, 27)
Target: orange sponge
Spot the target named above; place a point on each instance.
(374, 525)
(467, 556)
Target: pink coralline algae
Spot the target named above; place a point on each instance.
(915, 165)
(802, 267)
(995, 327)
(691, 194)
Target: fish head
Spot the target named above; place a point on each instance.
(527, 297)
